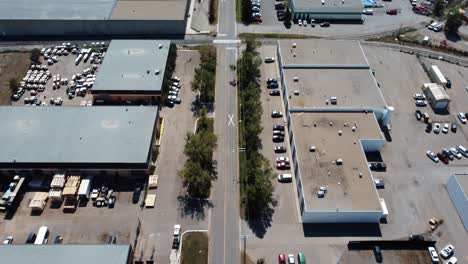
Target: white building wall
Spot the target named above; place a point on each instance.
(459, 199)
(341, 217)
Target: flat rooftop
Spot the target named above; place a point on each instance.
(149, 10)
(322, 52)
(353, 88)
(347, 191)
(463, 181)
(130, 65)
(328, 6)
(93, 10)
(63, 137)
(70, 254)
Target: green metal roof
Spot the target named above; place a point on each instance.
(69, 254)
(130, 65)
(93, 135)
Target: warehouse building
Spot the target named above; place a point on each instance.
(97, 140)
(99, 17)
(132, 71)
(333, 161)
(436, 95)
(457, 188)
(70, 254)
(332, 94)
(327, 9)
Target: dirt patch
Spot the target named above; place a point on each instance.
(12, 65)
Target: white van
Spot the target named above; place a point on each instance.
(284, 177)
(42, 236)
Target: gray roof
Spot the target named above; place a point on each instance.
(70, 254)
(330, 6)
(130, 65)
(33, 137)
(56, 9)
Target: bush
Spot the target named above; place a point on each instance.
(13, 84)
(454, 21)
(35, 55)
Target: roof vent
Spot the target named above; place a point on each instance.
(156, 71)
(340, 132)
(353, 129)
(294, 45)
(296, 79)
(331, 123)
(160, 45)
(323, 2)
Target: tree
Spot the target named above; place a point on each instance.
(259, 184)
(35, 55)
(205, 75)
(454, 21)
(438, 8)
(246, 11)
(13, 84)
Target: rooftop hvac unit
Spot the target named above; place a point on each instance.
(323, 2)
(339, 161)
(296, 79)
(294, 45)
(156, 71)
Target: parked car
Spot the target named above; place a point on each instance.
(452, 260)
(136, 193)
(428, 127)
(392, 12)
(269, 59)
(325, 24)
(447, 251)
(448, 84)
(462, 117)
(436, 128)
(445, 129)
(278, 133)
(277, 139)
(419, 96)
(379, 184)
(31, 238)
(433, 254)
(447, 153)
(278, 127)
(462, 150)
(276, 114)
(291, 259)
(283, 165)
(255, 8)
(271, 80)
(299, 22)
(443, 158)
(280, 149)
(281, 159)
(281, 259)
(421, 103)
(455, 153)
(58, 239)
(378, 166)
(274, 93)
(8, 240)
(279, 6)
(272, 85)
(432, 156)
(418, 115)
(453, 127)
(368, 12)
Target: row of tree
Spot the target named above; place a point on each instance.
(200, 169)
(257, 175)
(205, 75)
(453, 15)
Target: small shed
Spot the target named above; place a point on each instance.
(153, 181)
(436, 96)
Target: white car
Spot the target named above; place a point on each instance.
(455, 153)
(432, 156)
(269, 59)
(421, 103)
(291, 259)
(368, 11)
(279, 159)
(452, 260)
(463, 150)
(436, 128)
(446, 128)
(8, 240)
(447, 251)
(172, 97)
(462, 117)
(419, 97)
(304, 23)
(299, 22)
(176, 230)
(433, 253)
(94, 194)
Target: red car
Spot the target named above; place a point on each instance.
(283, 165)
(443, 158)
(282, 259)
(392, 12)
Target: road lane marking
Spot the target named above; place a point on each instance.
(226, 41)
(231, 119)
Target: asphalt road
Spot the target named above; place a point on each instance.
(225, 220)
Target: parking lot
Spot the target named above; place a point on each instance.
(92, 225)
(414, 185)
(66, 68)
(378, 22)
